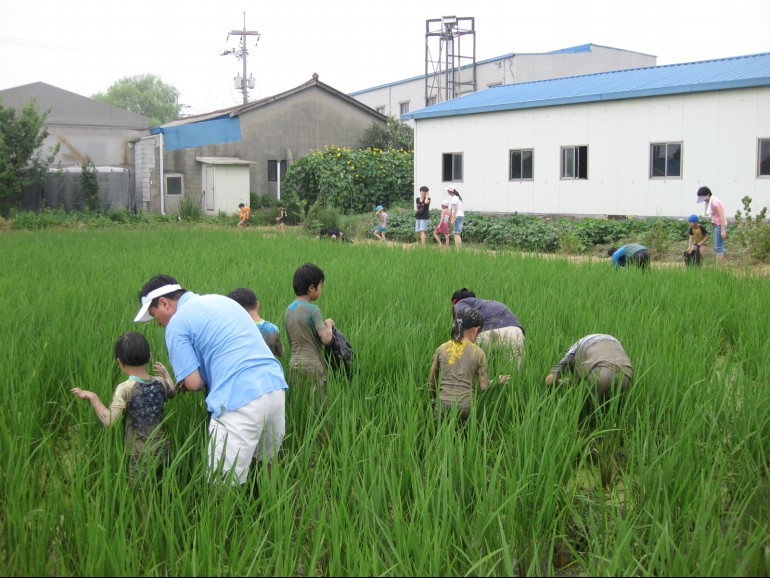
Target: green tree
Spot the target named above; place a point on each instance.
(23, 163)
(90, 185)
(144, 94)
(395, 135)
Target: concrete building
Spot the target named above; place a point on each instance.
(635, 142)
(404, 96)
(187, 157)
(85, 129)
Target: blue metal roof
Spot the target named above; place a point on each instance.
(707, 75)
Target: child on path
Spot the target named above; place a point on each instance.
(307, 330)
(243, 215)
(443, 226)
(382, 223)
(282, 217)
(698, 235)
(457, 365)
(142, 397)
(270, 332)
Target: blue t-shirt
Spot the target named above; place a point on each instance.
(215, 335)
(619, 257)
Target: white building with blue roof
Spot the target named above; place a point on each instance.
(636, 142)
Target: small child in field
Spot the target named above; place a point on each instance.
(281, 219)
(382, 223)
(443, 225)
(457, 365)
(698, 236)
(270, 333)
(142, 397)
(243, 215)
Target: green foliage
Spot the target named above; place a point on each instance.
(752, 232)
(656, 238)
(394, 135)
(264, 201)
(319, 216)
(23, 163)
(90, 185)
(144, 94)
(353, 181)
(189, 210)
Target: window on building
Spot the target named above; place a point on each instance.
(574, 162)
(430, 101)
(272, 170)
(404, 107)
(665, 160)
(521, 164)
(174, 184)
(763, 160)
(380, 109)
(452, 167)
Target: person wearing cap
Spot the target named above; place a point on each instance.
(458, 215)
(443, 224)
(698, 235)
(597, 360)
(502, 330)
(421, 214)
(716, 208)
(630, 254)
(382, 223)
(214, 345)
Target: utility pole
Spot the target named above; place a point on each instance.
(241, 82)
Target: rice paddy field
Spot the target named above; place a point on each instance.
(676, 481)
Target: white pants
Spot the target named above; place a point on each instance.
(509, 340)
(235, 436)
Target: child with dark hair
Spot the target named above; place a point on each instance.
(457, 365)
(282, 217)
(142, 397)
(631, 254)
(697, 237)
(247, 299)
(243, 215)
(502, 332)
(307, 330)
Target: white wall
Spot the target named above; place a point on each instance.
(718, 130)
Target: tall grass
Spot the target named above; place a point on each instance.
(676, 481)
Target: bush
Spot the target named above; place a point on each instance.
(189, 210)
(752, 232)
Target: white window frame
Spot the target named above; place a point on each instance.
(666, 174)
(521, 165)
(456, 167)
(766, 143)
(569, 167)
(181, 184)
(403, 107)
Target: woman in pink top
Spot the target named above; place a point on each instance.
(718, 219)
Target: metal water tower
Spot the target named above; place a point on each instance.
(450, 58)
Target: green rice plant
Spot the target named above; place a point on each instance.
(675, 480)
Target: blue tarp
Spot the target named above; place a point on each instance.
(198, 134)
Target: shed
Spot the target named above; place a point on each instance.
(226, 184)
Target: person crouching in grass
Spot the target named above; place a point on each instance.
(457, 366)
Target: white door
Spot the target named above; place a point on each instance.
(209, 174)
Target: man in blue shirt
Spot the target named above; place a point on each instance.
(214, 345)
(630, 254)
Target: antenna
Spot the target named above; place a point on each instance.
(452, 71)
(243, 83)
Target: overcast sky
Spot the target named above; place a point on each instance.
(86, 46)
